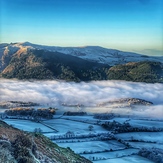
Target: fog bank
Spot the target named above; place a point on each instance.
(86, 93)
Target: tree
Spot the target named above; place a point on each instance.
(90, 127)
(37, 130)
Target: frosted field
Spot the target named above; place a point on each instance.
(27, 125)
(145, 145)
(87, 118)
(114, 154)
(93, 146)
(63, 126)
(146, 123)
(128, 159)
(145, 136)
(2, 110)
(135, 122)
(74, 124)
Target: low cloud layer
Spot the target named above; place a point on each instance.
(86, 93)
(82, 93)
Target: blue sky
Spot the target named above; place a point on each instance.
(131, 25)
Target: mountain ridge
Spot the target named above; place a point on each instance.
(31, 61)
(94, 53)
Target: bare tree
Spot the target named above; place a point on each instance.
(90, 127)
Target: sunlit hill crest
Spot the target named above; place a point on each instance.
(31, 61)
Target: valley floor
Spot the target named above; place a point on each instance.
(96, 143)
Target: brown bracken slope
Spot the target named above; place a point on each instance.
(22, 147)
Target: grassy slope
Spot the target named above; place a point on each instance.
(41, 64)
(19, 146)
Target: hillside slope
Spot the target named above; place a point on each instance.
(40, 64)
(91, 53)
(30, 61)
(149, 72)
(21, 147)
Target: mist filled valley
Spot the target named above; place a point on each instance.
(101, 105)
(81, 81)
(104, 121)
(90, 96)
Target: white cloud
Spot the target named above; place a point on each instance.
(87, 93)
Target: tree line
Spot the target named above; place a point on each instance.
(31, 112)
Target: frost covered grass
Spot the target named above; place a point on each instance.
(93, 146)
(85, 118)
(145, 145)
(127, 159)
(146, 123)
(142, 136)
(63, 126)
(114, 154)
(136, 122)
(27, 125)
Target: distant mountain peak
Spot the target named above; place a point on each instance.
(26, 61)
(26, 43)
(92, 53)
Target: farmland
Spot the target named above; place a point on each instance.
(97, 143)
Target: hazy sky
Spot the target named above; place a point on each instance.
(120, 24)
